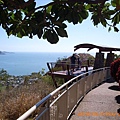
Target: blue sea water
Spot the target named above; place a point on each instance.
(26, 63)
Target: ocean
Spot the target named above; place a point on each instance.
(22, 63)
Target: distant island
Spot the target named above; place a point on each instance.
(4, 52)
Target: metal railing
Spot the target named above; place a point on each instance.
(55, 66)
(60, 103)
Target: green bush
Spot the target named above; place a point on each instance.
(115, 69)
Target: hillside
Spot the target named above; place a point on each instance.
(85, 56)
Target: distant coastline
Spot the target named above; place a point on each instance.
(25, 63)
(4, 52)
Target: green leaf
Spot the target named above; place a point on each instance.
(12, 16)
(113, 3)
(62, 12)
(54, 9)
(109, 29)
(58, 23)
(1, 2)
(103, 21)
(75, 17)
(111, 12)
(52, 37)
(69, 17)
(40, 32)
(87, 7)
(3, 16)
(95, 19)
(84, 14)
(38, 16)
(116, 29)
(44, 35)
(49, 9)
(64, 25)
(19, 35)
(18, 15)
(116, 19)
(55, 38)
(9, 32)
(35, 30)
(25, 11)
(80, 19)
(91, 9)
(31, 7)
(61, 32)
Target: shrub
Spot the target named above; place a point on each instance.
(115, 70)
(17, 101)
(118, 74)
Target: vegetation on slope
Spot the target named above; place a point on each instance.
(14, 101)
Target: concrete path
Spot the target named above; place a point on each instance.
(102, 103)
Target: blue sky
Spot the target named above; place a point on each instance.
(77, 34)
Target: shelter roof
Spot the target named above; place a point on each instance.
(92, 46)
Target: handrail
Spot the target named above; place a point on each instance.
(63, 63)
(32, 109)
(86, 80)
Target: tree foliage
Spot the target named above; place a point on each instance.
(3, 75)
(23, 18)
(116, 56)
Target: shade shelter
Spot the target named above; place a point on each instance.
(99, 58)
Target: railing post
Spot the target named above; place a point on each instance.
(52, 75)
(68, 67)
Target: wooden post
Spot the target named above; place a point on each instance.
(109, 59)
(86, 68)
(99, 60)
(52, 76)
(88, 63)
(68, 69)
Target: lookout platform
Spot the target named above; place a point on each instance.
(70, 74)
(66, 72)
(99, 62)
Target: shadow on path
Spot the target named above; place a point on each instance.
(117, 98)
(118, 111)
(110, 80)
(114, 87)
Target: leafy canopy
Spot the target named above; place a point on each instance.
(23, 18)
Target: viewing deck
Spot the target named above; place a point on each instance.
(65, 71)
(64, 74)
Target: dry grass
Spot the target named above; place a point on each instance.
(17, 101)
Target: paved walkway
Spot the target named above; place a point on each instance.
(102, 103)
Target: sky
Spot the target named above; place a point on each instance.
(77, 34)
